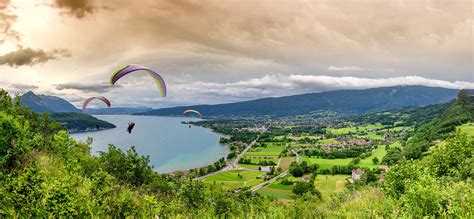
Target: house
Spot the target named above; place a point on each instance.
(265, 168)
(383, 167)
(356, 174)
(305, 179)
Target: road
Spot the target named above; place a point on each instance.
(259, 186)
(227, 168)
(233, 165)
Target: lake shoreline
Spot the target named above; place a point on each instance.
(171, 145)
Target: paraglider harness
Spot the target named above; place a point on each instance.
(130, 127)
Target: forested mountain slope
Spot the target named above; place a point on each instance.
(342, 101)
(459, 112)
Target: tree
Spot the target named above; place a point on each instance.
(302, 188)
(375, 160)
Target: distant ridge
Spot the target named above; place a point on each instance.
(117, 110)
(64, 112)
(45, 103)
(341, 101)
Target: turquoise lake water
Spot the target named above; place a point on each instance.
(170, 144)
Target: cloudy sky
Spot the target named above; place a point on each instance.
(227, 50)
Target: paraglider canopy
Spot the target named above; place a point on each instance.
(192, 111)
(88, 100)
(133, 68)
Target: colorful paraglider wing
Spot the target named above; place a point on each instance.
(132, 68)
(192, 111)
(88, 100)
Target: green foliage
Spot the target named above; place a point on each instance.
(375, 160)
(440, 184)
(302, 188)
(298, 170)
(128, 167)
(45, 173)
(393, 156)
(459, 112)
(80, 122)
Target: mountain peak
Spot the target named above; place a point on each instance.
(46, 103)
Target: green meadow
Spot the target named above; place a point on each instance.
(380, 152)
(354, 129)
(269, 150)
(329, 184)
(231, 179)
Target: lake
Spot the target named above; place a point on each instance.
(170, 144)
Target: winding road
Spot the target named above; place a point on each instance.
(259, 186)
(234, 165)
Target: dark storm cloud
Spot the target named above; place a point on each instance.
(29, 56)
(87, 88)
(77, 8)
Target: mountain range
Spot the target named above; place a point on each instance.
(341, 101)
(117, 110)
(46, 103)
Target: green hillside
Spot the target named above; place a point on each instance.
(79, 122)
(45, 173)
(459, 112)
(340, 101)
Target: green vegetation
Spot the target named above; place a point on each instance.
(45, 173)
(326, 163)
(235, 179)
(371, 136)
(268, 150)
(276, 190)
(467, 128)
(378, 153)
(330, 184)
(459, 112)
(285, 162)
(354, 129)
(78, 122)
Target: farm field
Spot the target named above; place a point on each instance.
(380, 152)
(326, 163)
(396, 144)
(305, 136)
(277, 190)
(255, 160)
(326, 184)
(231, 179)
(269, 150)
(329, 184)
(250, 166)
(328, 141)
(347, 130)
(371, 136)
(285, 162)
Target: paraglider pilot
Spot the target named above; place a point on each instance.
(130, 127)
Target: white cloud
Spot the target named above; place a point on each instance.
(345, 68)
(281, 85)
